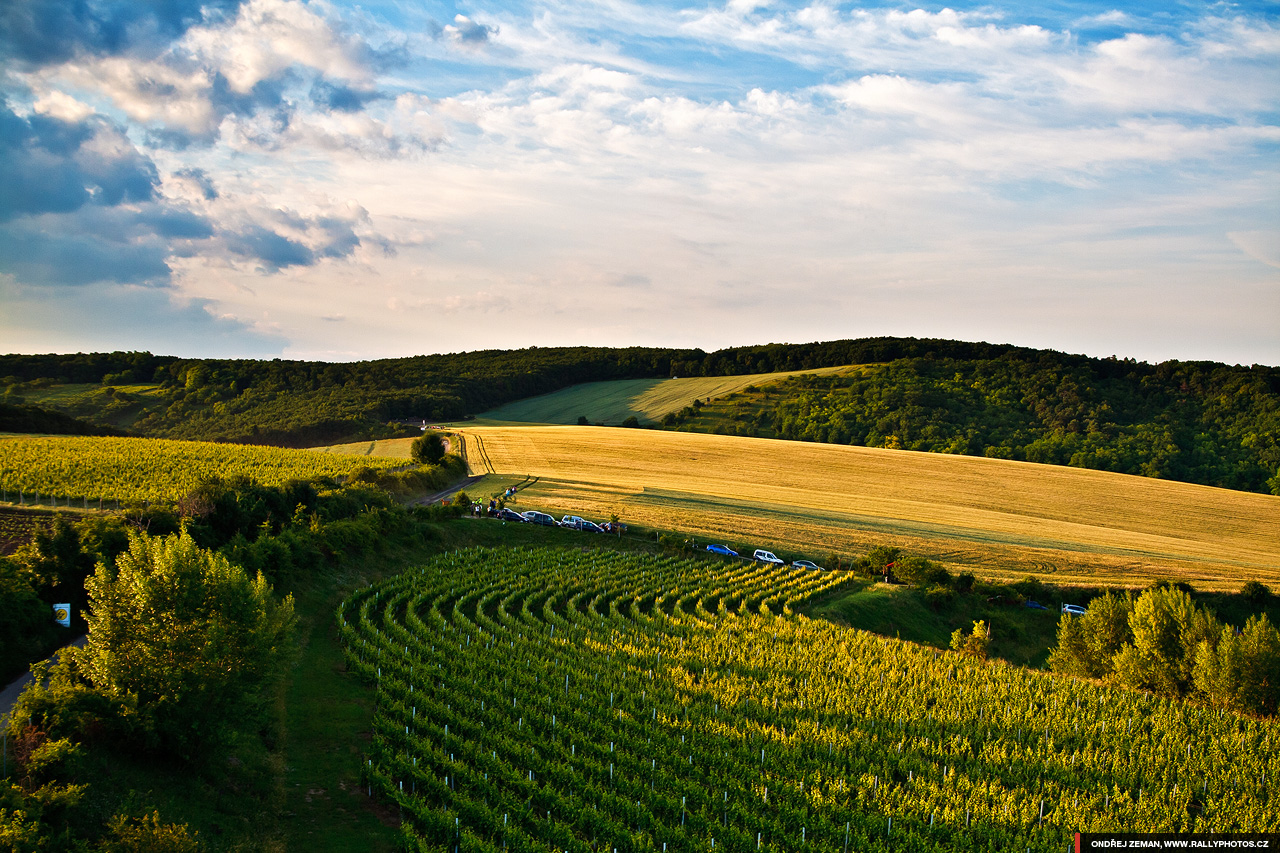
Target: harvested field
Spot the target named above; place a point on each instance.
(994, 517)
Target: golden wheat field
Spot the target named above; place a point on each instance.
(994, 517)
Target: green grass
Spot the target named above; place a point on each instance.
(327, 726)
(122, 408)
(647, 400)
(1019, 635)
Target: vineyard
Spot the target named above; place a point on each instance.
(526, 697)
(78, 470)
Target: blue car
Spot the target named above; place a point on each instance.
(722, 549)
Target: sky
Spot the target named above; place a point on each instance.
(328, 180)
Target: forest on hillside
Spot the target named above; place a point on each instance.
(1194, 422)
(1200, 422)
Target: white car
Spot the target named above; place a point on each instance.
(571, 521)
(763, 556)
(1073, 609)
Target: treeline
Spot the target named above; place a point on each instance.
(33, 419)
(296, 403)
(1162, 642)
(189, 629)
(302, 403)
(1194, 422)
(1198, 422)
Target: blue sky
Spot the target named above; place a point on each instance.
(341, 181)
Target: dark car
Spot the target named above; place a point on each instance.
(535, 517)
(724, 550)
(509, 515)
(589, 527)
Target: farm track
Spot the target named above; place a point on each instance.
(526, 697)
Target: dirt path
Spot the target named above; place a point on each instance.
(9, 696)
(428, 500)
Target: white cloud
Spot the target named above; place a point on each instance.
(1262, 245)
(62, 106)
(769, 171)
(270, 36)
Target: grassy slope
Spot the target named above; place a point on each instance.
(993, 517)
(645, 399)
(123, 410)
(383, 448)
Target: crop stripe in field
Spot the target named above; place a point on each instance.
(482, 464)
(579, 700)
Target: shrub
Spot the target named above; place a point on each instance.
(938, 596)
(974, 643)
(1256, 593)
(186, 635)
(428, 449)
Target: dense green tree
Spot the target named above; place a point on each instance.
(26, 623)
(1242, 671)
(1167, 631)
(58, 564)
(427, 449)
(186, 637)
(1087, 645)
(1256, 593)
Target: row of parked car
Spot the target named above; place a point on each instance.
(533, 516)
(763, 556)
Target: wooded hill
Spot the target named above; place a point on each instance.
(1193, 422)
(1199, 422)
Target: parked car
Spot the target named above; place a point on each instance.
(723, 550)
(571, 521)
(507, 514)
(590, 527)
(805, 564)
(1073, 609)
(1034, 605)
(535, 517)
(769, 557)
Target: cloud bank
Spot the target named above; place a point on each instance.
(343, 181)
